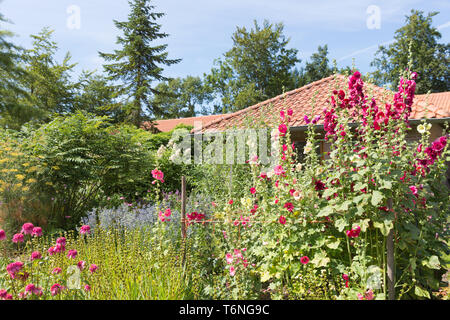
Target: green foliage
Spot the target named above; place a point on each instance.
(317, 68)
(257, 67)
(137, 63)
(418, 40)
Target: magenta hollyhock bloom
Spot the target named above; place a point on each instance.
(61, 241)
(56, 270)
(13, 268)
(353, 233)
(27, 228)
(306, 119)
(93, 268)
(345, 277)
(81, 264)
(304, 260)
(282, 219)
(18, 237)
(158, 175)
(289, 206)
(4, 295)
(37, 232)
(85, 229)
(278, 170)
(290, 112)
(32, 289)
(59, 248)
(87, 287)
(232, 271)
(229, 258)
(252, 190)
(35, 255)
(55, 289)
(282, 128)
(51, 251)
(72, 254)
(230, 202)
(237, 253)
(282, 115)
(413, 190)
(2, 235)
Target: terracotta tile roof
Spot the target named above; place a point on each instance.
(299, 100)
(169, 124)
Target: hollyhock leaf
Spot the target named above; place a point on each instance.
(386, 184)
(334, 243)
(344, 206)
(340, 224)
(320, 259)
(377, 197)
(418, 291)
(364, 224)
(325, 211)
(432, 263)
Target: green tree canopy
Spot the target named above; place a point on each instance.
(318, 67)
(257, 67)
(137, 63)
(430, 59)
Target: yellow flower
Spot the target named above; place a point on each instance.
(31, 180)
(20, 176)
(49, 183)
(55, 168)
(25, 189)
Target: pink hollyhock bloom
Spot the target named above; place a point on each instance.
(345, 277)
(35, 255)
(55, 289)
(360, 296)
(2, 235)
(232, 271)
(158, 175)
(56, 270)
(72, 254)
(369, 294)
(413, 190)
(37, 232)
(93, 268)
(59, 248)
(238, 254)
(13, 268)
(229, 258)
(85, 229)
(81, 264)
(278, 170)
(87, 287)
(51, 251)
(4, 295)
(32, 289)
(61, 241)
(304, 260)
(18, 237)
(282, 128)
(282, 219)
(290, 112)
(353, 233)
(347, 284)
(27, 228)
(306, 119)
(289, 206)
(224, 234)
(252, 190)
(282, 115)
(231, 201)
(245, 263)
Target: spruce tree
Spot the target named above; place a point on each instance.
(139, 62)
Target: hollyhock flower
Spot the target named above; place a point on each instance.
(85, 229)
(306, 119)
(27, 228)
(2, 235)
(413, 190)
(345, 277)
(282, 220)
(230, 202)
(81, 264)
(304, 260)
(290, 112)
(37, 232)
(55, 289)
(283, 129)
(56, 270)
(369, 294)
(13, 268)
(252, 190)
(278, 170)
(232, 271)
(245, 263)
(18, 237)
(289, 206)
(87, 288)
(254, 160)
(229, 258)
(93, 268)
(353, 233)
(61, 241)
(282, 115)
(4, 295)
(297, 195)
(347, 284)
(158, 175)
(35, 255)
(237, 253)
(51, 251)
(72, 254)
(32, 289)
(59, 248)
(360, 296)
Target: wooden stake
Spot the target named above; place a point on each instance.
(183, 207)
(390, 260)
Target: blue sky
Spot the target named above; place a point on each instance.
(200, 30)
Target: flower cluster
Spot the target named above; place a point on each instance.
(158, 175)
(195, 217)
(235, 259)
(353, 233)
(164, 216)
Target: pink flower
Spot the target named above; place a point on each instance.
(232, 271)
(290, 112)
(32, 289)
(59, 248)
(165, 216)
(2, 235)
(35, 255)
(282, 128)
(353, 233)
(252, 190)
(229, 258)
(304, 260)
(13, 268)
(158, 175)
(230, 202)
(61, 241)
(87, 287)
(37, 232)
(4, 295)
(56, 270)
(27, 228)
(282, 220)
(413, 190)
(238, 254)
(72, 254)
(93, 268)
(278, 170)
(345, 277)
(81, 264)
(289, 206)
(85, 229)
(18, 237)
(55, 289)
(51, 251)
(369, 294)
